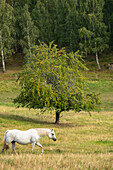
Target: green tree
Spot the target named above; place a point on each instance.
(43, 19)
(29, 31)
(60, 23)
(93, 35)
(53, 79)
(108, 18)
(57, 20)
(20, 22)
(6, 30)
(72, 25)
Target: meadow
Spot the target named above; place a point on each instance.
(83, 141)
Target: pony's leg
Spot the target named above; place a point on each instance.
(32, 146)
(4, 147)
(13, 147)
(38, 144)
(2, 151)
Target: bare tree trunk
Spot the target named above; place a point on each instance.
(2, 55)
(97, 61)
(3, 60)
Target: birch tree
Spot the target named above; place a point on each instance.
(6, 31)
(93, 35)
(29, 32)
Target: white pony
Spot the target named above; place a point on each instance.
(30, 136)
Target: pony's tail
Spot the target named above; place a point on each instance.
(5, 146)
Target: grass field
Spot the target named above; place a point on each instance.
(83, 141)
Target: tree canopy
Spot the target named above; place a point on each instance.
(52, 78)
(84, 25)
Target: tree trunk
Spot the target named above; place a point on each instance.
(109, 26)
(28, 38)
(97, 61)
(96, 52)
(3, 60)
(2, 54)
(57, 117)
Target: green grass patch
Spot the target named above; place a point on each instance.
(105, 142)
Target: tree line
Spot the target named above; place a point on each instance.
(84, 25)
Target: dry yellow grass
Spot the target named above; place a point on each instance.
(65, 161)
(83, 142)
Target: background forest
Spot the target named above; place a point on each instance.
(84, 25)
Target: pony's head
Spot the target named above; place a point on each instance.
(51, 135)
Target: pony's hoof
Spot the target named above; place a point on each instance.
(2, 152)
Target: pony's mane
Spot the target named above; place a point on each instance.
(42, 131)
